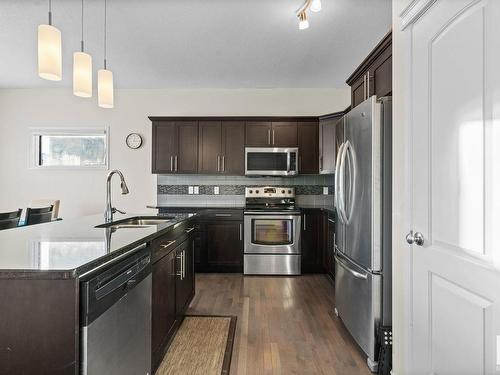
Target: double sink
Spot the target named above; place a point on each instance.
(137, 222)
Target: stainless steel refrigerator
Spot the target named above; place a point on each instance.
(363, 225)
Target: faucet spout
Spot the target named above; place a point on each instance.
(110, 210)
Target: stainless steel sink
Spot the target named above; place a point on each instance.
(137, 222)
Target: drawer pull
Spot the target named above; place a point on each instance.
(223, 215)
(170, 243)
(189, 230)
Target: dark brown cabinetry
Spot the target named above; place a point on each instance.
(271, 133)
(221, 147)
(374, 75)
(221, 245)
(312, 241)
(184, 276)
(308, 147)
(175, 147)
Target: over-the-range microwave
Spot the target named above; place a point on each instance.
(271, 161)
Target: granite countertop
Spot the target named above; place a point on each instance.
(327, 208)
(68, 248)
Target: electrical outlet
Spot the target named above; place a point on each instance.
(325, 190)
(196, 190)
(190, 190)
(216, 190)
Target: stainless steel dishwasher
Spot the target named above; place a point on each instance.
(116, 318)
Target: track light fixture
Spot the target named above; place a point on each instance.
(313, 6)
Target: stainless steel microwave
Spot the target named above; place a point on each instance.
(271, 161)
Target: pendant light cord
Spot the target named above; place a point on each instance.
(105, 30)
(82, 28)
(50, 12)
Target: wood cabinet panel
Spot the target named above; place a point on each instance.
(358, 92)
(163, 305)
(233, 147)
(164, 146)
(184, 281)
(187, 150)
(284, 134)
(308, 140)
(210, 147)
(312, 241)
(258, 133)
(224, 244)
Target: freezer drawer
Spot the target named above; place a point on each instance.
(271, 264)
(358, 302)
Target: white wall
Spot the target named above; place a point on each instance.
(83, 192)
(399, 138)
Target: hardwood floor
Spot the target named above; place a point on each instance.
(286, 325)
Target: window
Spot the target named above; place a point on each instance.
(70, 148)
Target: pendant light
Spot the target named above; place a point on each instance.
(315, 5)
(303, 22)
(49, 50)
(105, 76)
(82, 71)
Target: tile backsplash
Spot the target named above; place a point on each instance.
(173, 190)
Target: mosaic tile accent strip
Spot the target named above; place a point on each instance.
(235, 189)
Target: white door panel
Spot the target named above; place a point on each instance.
(455, 187)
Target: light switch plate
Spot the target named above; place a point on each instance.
(196, 190)
(190, 190)
(216, 190)
(325, 190)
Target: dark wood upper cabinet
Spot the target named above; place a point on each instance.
(187, 149)
(308, 147)
(233, 147)
(210, 147)
(374, 75)
(175, 147)
(327, 149)
(164, 146)
(284, 134)
(258, 133)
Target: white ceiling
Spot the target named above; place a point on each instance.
(198, 43)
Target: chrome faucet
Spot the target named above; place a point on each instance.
(110, 210)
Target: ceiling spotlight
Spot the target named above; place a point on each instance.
(303, 22)
(315, 5)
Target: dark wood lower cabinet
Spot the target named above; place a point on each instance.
(184, 278)
(313, 241)
(224, 241)
(163, 306)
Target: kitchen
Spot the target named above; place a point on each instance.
(225, 202)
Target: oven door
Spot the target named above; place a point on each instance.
(272, 233)
(271, 161)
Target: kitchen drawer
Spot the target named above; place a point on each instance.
(169, 241)
(225, 214)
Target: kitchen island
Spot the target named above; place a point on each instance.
(41, 267)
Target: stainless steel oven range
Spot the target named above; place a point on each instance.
(272, 231)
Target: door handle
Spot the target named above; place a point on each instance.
(342, 184)
(179, 273)
(170, 243)
(171, 163)
(304, 221)
(321, 163)
(273, 136)
(415, 238)
(367, 84)
(176, 163)
(189, 230)
(241, 237)
(337, 181)
(223, 163)
(351, 154)
(268, 136)
(183, 264)
(218, 163)
(223, 215)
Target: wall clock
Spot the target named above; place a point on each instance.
(134, 140)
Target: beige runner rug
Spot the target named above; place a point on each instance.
(202, 345)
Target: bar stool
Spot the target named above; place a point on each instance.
(45, 203)
(38, 215)
(10, 219)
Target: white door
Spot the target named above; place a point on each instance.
(454, 172)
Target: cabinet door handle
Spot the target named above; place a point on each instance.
(179, 273)
(170, 243)
(273, 136)
(218, 163)
(364, 87)
(368, 85)
(171, 163)
(268, 136)
(223, 215)
(176, 163)
(189, 230)
(304, 221)
(183, 264)
(241, 236)
(321, 163)
(223, 163)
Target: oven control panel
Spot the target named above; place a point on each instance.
(269, 192)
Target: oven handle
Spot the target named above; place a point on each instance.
(287, 161)
(272, 213)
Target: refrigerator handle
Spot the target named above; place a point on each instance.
(353, 179)
(356, 274)
(342, 183)
(337, 182)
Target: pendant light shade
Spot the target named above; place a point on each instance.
(49, 50)
(82, 74)
(315, 5)
(105, 88)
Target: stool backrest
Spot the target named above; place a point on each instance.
(10, 219)
(38, 215)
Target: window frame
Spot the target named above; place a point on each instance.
(35, 149)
